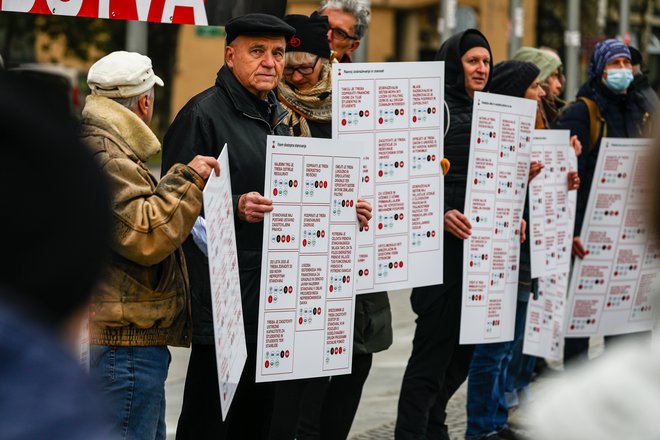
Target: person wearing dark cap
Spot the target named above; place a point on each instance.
(239, 110)
(487, 410)
(323, 408)
(438, 365)
(142, 305)
(620, 115)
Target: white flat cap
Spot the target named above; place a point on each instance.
(122, 75)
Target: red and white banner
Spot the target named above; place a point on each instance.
(197, 12)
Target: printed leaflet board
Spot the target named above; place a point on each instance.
(307, 284)
(500, 148)
(396, 110)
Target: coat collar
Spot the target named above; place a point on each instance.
(123, 122)
(244, 101)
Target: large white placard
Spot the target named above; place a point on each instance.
(306, 304)
(610, 289)
(500, 149)
(396, 110)
(229, 333)
(544, 329)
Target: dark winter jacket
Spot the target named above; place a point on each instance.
(226, 113)
(624, 117)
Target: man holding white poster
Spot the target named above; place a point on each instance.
(438, 365)
(603, 108)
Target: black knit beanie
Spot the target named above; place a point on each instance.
(513, 77)
(311, 34)
(471, 40)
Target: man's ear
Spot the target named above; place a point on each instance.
(229, 56)
(143, 105)
(353, 47)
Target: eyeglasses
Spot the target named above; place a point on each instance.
(340, 35)
(303, 69)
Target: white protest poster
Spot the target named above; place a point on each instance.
(544, 329)
(610, 289)
(228, 330)
(306, 305)
(396, 111)
(498, 171)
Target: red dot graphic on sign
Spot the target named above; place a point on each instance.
(322, 233)
(602, 180)
(288, 238)
(351, 203)
(478, 140)
(366, 179)
(414, 118)
(343, 122)
(340, 350)
(476, 181)
(300, 320)
(432, 233)
(380, 226)
(304, 242)
(433, 110)
(380, 120)
(401, 164)
(396, 265)
(270, 298)
(295, 184)
(286, 353)
(267, 364)
(401, 216)
(380, 173)
(471, 263)
(401, 112)
(400, 263)
(366, 112)
(366, 272)
(275, 191)
(348, 279)
(331, 287)
(433, 157)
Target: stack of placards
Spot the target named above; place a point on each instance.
(551, 220)
(500, 147)
(611, 288)
(396, 111)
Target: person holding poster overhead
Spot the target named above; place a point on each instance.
(438, 365)
(605, 107)
(323, 407)
(241, 110)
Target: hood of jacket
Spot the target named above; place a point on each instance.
(450, 53)
(139, 137)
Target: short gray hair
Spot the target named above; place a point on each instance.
(356, 8)
(131, 102)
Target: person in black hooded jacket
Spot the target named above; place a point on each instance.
(438, 365)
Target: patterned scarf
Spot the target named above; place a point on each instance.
(313, 104)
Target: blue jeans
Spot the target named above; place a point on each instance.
(486, 406)
(521, 366)
(133, 379)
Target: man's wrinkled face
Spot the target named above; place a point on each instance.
(256, 62)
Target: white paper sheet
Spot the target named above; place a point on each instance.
(229, 333)
(610, 288)
(306, 306)
(500, 150)
(396, 110)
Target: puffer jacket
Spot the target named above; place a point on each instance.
(227, 113)
(143, 299)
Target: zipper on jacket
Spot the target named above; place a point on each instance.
(271, 129)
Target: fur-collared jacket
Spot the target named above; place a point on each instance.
(144, 298)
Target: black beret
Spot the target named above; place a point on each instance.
(635, 56)
(513, 77)
(257, 25)
(311, 34)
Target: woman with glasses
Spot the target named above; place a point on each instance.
(323, 408)
(349, 20)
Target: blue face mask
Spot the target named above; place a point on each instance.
(618, 80)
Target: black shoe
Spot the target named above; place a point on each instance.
(508, 434)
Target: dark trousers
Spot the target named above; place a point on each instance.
(437, 366)
(201, 416)
(320, 408)
(576, 350)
